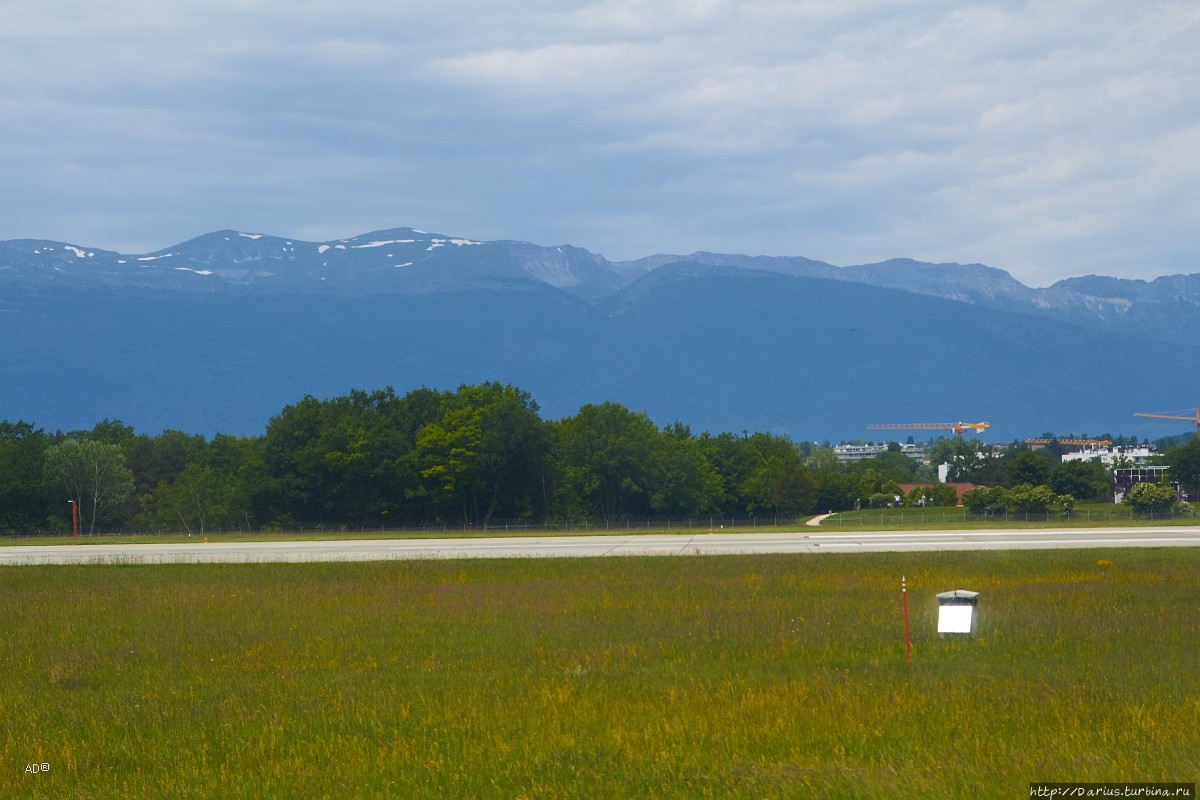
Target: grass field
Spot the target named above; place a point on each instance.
(1090, 515)
(1086, 515)
(722, 677)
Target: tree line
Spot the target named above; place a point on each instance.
(473, 456)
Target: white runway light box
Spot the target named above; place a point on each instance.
(956, 611)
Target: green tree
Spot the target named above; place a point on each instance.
(970, 460)
(240, 460)
(868, 484)
(604, 462)
(781, 484)
(747, 483)
(155, 459)
(299, 483)
(689, 484)
(93, 474)
(895, 466)
(485, 453)
(985, 499)
(1083, 480)
(836, 491)
(1028, 499)
(1027, 467)
(110, 431)
(1185, 466)
(732, 459)
(201, 498)
(1147, 497)
(936, 494)
(823, 460)
(348, 459)
(22, 496)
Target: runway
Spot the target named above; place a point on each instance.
(701, 544)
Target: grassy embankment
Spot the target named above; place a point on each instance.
(751, 677)
(1090, 515)
(1085, 515)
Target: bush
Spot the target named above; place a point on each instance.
(1022, 499)
(935, 495)
(1030, 499)
(985, 499)
(1151, 497)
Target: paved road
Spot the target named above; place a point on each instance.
(578, 546)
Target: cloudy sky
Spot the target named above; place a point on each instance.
(1050, 139)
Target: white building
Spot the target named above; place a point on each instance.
(1109, 455)
(847, 453)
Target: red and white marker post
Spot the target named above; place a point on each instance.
(904, 597)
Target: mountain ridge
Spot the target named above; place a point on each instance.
(411, 260)
(219, 332)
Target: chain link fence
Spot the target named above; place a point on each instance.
(622, 524)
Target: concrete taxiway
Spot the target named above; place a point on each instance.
(813, 541)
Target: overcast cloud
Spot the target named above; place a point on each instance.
(1050, 139)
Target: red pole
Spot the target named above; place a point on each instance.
(74, 518)
(904, 595)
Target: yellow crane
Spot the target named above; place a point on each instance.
(956, 427)
(1081, 442)
(1194, 418)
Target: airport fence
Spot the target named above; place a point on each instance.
(908, 517)
(518, 527)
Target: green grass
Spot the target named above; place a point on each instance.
(595, 529)
(754, 677)
(1085, 516)
(1091, 515)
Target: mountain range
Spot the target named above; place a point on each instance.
(218, 333)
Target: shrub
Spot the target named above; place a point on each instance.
(1151, 497)
(1030, 499)
(985, 499)
(938, 494)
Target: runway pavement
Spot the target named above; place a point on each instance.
(700, 544)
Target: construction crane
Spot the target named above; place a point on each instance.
(1194, 419)
(956, 427)
(1081, 442)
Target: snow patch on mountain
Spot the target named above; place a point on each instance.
(382, 243)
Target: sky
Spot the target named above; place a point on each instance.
(1050, 139)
